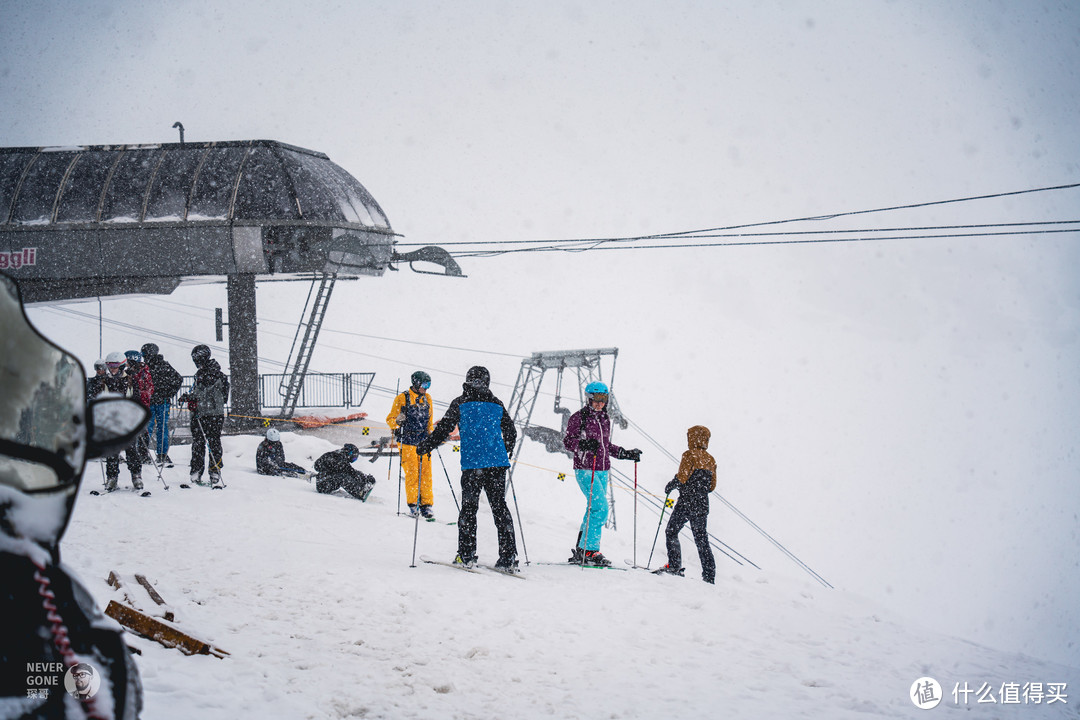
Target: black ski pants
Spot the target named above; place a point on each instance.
(132, 457)
(206, 431)
(355, 482)
(691, 510)
(492, 481)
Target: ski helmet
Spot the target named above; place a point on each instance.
(134, 356)
(597, 392)
(351, 451)
(149, 350)
(114, 361)
(200, 355)
(273, 435)
(99, 364)
(421, 379)
(478, 377)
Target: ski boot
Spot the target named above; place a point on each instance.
(508, 566)
(414, 511)
(215, 479)
(110, 483)
(465, 562)
(575, 556)
(136, 482)
(196, 478)
(594, 558)
(426, 512)
(668, 570)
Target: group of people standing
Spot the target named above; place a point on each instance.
(146, 376)
(488, 438)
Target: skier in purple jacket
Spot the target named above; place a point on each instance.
(588, 436)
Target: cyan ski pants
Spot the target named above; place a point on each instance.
(596, 510)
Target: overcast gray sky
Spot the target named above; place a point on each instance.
(902, 413)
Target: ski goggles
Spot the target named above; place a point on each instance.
(599, 397)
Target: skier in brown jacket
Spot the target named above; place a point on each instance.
(695, 479)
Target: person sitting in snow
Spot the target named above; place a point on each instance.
(335, 471)
(270, 457)
(695, 479)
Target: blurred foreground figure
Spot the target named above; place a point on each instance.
(59, 656)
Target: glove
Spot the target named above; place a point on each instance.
(423, 448)
(589, 445)
(670, 487)
(397, 433)
(634, 455)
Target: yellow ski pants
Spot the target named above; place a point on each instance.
(410, 463)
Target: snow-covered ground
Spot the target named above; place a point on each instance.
(324, 616)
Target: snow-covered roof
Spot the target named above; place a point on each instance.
(248, 181)
(114, 219)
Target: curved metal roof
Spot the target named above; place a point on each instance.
(251, 181)
(99, 220)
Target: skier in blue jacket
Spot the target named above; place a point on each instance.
(487, 442)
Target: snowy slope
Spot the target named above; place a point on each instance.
(315, 599)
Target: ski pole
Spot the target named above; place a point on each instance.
(588, 511)
(400, 468)
(159, 466)
(391, 465)
(209, 451)
(416, 527)
(448, 481)
(520, 527)
(664, 508)
(159, 458)
(635, 512)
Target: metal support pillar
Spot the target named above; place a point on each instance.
(243, 352)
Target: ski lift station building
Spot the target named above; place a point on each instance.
(104, 220)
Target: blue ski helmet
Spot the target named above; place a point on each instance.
(596, 387)
(351, 451)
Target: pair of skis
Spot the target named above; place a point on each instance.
(140, 492)
(477, 569)
(410, 516)
(579, 565)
